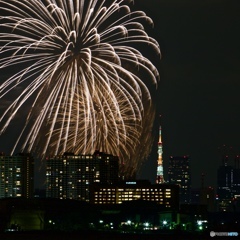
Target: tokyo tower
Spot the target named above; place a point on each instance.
(160, 179)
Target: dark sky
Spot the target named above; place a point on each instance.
(199, 96)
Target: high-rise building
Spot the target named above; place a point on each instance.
(236, 177)
(17, 175)
(69, 175)
(228, 183)
(179, 173)
(225, 181)
(160, 178)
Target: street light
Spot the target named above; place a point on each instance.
(199, 222)
(146, 224)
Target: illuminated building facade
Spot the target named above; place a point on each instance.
(165, 194)
(179, 173)
(228, 184)
(17, 175)
(69, 176)
(160, 178)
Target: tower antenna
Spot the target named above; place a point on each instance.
(160, 178)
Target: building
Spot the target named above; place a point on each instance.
(207, 197)
(68, 176)
(160, 178)
(236, 177)
(179, 173)
(195, 195)
(225, 182)
(228, 184)
(17, 175)
(166, 195)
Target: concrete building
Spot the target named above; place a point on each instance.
(228, 184)
(179, 173)
(68, 176)
(16, 175)
(166, 195)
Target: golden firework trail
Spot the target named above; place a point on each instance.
(81, 71)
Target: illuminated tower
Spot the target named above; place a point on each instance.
(160, 179)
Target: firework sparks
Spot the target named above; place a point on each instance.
(80, 69)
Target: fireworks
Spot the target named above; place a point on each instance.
(78, 69)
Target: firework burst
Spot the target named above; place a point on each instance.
(78, 65)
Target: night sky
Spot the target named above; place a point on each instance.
(200, 82)
(198, 95)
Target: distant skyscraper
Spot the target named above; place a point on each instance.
(236, 177)
(228, 183)
(179, 173)
(225, 180)
(17, 176)
(69, 175)
(160, 178)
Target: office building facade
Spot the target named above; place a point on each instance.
(17, 175)
(179, 173)
(68, 176)
(166, 195)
